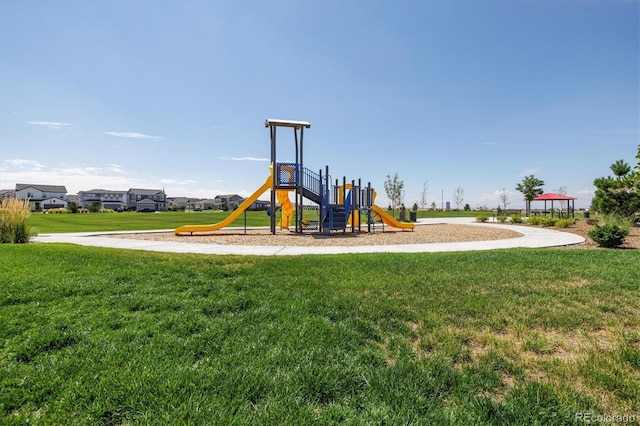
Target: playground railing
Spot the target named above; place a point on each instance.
(311, 182)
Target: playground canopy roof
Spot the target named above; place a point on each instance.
(550, 196)
(286, 123)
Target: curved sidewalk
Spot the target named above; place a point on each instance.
(532, 237)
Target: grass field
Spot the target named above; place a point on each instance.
(130, 221)
(101, 336)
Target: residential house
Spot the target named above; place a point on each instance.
(260, 205)
(6, 194)
(231, 201)
(106, 199)
(146, 200)
(42, 197)
(204, 204)
(177, 203)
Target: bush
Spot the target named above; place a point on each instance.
(502, 218)
(609, 235)
(535, 220)
(13, 222)
(55, 211)
(516, 218)
(549, 221)
(612, 232)
(565, 223)
(482, 218)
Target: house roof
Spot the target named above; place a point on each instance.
(104, 191)
(43, 188)
(550, 196)
(224, 196)
(145, 191)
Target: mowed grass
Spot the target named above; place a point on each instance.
(133, 221)
(101, 336)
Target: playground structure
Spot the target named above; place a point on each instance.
(339, 205)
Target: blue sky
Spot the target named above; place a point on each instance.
(174, 94)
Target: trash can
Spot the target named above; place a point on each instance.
(403, 216)
(585, 215)
(413, 216)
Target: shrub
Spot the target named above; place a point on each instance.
(609, 235)
(535, 220)
(13, 222)
(549, 221)
(55, 211)
(516, 218)
(502, 218)
(612, 232)
(482, 218)
(565, 223)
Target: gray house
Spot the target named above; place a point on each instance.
(106, 199)
(231, 201)
(6, 194)
(146, 200)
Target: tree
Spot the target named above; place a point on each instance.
(72, 207)
(561, 191)
(394, 188)
(458, 197)
(620, 168)
(423, 198)
(635, 176)
(530, 187)
(504, 198)
(619, 194)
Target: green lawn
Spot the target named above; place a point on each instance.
(130, 221)
(102, 336)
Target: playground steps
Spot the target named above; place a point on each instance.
(311, 195)
(336, 218)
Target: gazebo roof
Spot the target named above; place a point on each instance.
(550, 196)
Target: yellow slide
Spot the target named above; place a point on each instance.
(233, 216)
(390, 220)
(287, 207)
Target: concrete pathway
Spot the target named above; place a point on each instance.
(532, 237)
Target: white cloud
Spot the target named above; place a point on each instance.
(177, 182)
(49, 124)
(116, 168)
(132, 135)
(73, 178)
(25, 163)
(244, 158)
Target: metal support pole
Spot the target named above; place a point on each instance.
(274, 172)
(353, 206)
(300, 172)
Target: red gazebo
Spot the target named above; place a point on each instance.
(550, 196)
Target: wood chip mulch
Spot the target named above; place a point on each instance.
(436, 233)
